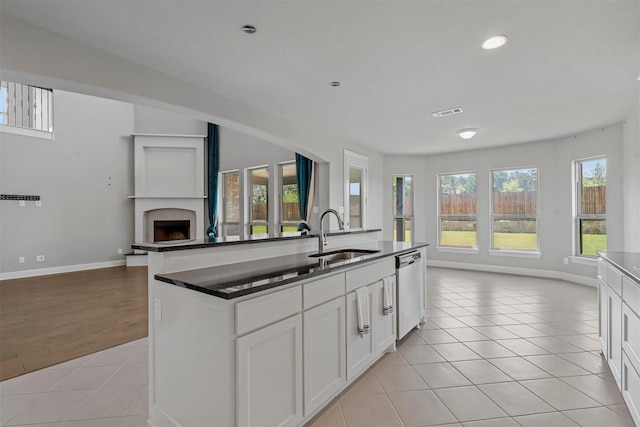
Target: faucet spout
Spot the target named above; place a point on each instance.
(322, 239)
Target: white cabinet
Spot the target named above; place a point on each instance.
(615, 335)
(269, 375)
(384, 325)
(324, 352)
(360, 350)
(363, 349)
(619, 330)
(603, 316)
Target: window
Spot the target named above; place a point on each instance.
(258, 201)
(27, 107)
(231, 203)
(591, 206)
(402, 205)
(514, 209)
(458, 212)
(289, 206)
(355, 201)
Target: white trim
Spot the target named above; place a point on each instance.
(16, 130)
(516, 254)
(61, 269)
(552, 274)
(456, 250)
(584, 260)
(169, 135)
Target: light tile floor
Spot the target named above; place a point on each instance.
(498, 350)
(104, 389)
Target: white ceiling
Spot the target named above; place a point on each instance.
(569, 66)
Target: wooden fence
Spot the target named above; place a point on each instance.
(290, 212)
(518, 203)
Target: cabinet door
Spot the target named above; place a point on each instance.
(423, 289)
(615, 335)
(383, 326)
(603, 315)
(324, 353)
(359, 348)
(269, 375)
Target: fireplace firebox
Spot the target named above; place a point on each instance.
(164, 231)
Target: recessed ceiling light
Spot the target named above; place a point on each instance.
(335, 84)
(494, 42)
(249, 29)
(467, 133)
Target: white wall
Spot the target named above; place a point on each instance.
(83, 178)
(36, 56)
(631, 179)
(553, 158)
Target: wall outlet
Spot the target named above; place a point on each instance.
(39, 258)
(20, 260)
(566, 260)
(315, 209)
(157, 309)
(38, 203)
(119, 251)
(22, 203)
(340, 209)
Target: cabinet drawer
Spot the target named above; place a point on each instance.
(370, 273)
(631, 294)
(261, 311)
(614, 279)
(602, 269)
(631, 389)
(631, 335)
(325, 289)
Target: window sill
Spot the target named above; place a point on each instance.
(516, 254)
(26, 132)
(455, 250)
(584, 260)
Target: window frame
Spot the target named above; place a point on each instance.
(223, 197)
(251, 222)
(396, 217)
(281, 222)
(515, 251)
(450, 248)
(577, 206)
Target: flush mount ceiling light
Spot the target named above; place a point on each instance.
(494, 42)
(467, 133)
(249, 29)
(335, 84)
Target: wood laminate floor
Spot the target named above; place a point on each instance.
(47, 320)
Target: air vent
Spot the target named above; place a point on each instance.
(449, 112)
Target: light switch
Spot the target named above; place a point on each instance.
(21, 203)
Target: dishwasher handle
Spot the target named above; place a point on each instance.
(407, 259)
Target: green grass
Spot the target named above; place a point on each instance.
(592, 243)
(259, 229)
(517, 241)
(407, 236)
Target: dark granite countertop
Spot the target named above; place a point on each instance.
(234, 280)
(180, 245)
(629, 262)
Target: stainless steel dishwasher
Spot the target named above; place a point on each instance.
(410, 281)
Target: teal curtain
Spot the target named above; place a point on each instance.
(304, 179)
(213, 138)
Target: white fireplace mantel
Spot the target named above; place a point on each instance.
(169, 174)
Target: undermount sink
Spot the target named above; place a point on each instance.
(342, 254)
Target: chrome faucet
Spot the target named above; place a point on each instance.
(322, 239)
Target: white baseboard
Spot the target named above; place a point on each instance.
(137, 260)
(588, 281)
(58, 270)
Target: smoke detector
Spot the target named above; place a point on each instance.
(448, 112)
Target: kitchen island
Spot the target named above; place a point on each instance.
(248, 334)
